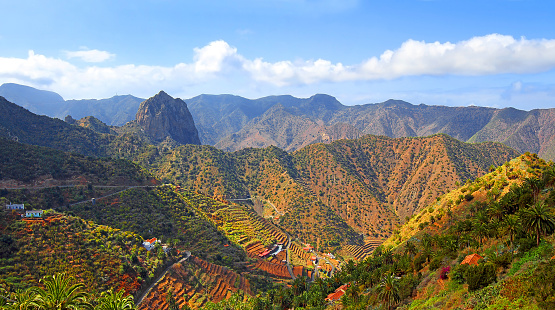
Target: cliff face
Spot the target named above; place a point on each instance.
(162, 116)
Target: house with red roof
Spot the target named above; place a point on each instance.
(150, 243)
(339, 292)
(471, 259)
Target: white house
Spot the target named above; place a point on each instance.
(15, 207)
(150, 243)
(34, 213)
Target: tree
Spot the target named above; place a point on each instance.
(535, 185)
(172, 303)
(388, 291)
(115, 301)
(21, 300)
(538, 219)
(511, 226)
(410, 248)
(60, 294)
(496, 211)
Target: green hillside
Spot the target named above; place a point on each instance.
(100, 256)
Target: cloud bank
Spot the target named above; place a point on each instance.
(486, 55)
(90, 55)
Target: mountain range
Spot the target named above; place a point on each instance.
(431, 196)
(337, 193)
(232, 122)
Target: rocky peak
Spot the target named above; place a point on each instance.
(162, 116)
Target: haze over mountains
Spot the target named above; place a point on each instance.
(232, 122)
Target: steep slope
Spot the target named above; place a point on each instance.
(162, 116)
(373, 180)
(99, 256)
(40, 102)
(114, 111)
(19, 124)
(25, 165)
(532, 131)
(292, 123)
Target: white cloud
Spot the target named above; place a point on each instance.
(216, 57)
(218, 62)
(90, 55)
(487, 55)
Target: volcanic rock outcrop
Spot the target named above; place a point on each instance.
(162, 116)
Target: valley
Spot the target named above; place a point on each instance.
(256, 225)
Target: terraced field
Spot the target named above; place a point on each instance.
(193, 283)
(361, 252)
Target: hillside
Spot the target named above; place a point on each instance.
(476, 247)
(32, 166)
(331, 194)
(97, 255)
(18, 124)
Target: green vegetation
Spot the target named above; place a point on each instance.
(99, 256)
(61, 292)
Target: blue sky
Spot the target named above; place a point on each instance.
(439, 52)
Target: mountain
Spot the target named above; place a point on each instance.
(292, 123)
(114, 111)
(336, 193)
(162, 116)
(232, 122)
(40, 102)
(19, 124)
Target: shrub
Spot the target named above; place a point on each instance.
(458, 273)
(435, 263)
(503, 260)
(480, 276)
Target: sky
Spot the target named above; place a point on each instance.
(496, 53)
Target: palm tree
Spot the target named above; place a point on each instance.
(548, 176)
(388, 291)
(535, 185)
(61, 295)
(538, 219)
(410, 248)
(115, 301)
(496, 211)
(21, 300)
(511, 225)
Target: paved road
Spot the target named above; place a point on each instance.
(145, 293)
(287, 262)
(256, 197)
(112, 194)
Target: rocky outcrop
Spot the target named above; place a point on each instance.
(162, 116)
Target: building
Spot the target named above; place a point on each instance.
(150, 243)
(15, 207)
(339, 292)
(34, 213)
(472, 259)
